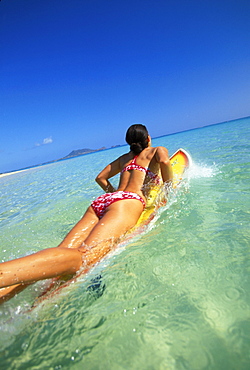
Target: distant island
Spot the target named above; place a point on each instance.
(76, 153)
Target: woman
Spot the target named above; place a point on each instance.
(106, 220)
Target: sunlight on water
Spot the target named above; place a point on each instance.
(174, 297)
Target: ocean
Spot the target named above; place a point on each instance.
(174, 297)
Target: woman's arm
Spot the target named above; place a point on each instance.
(165, 165)
(109, 171)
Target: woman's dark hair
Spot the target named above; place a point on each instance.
(137, 138)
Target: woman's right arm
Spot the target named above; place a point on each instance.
(109, 171)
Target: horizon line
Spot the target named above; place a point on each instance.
(114, 147)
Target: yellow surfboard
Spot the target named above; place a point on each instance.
(180, 161)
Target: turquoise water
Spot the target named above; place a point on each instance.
(175, 297)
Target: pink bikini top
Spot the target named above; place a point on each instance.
(134, 166)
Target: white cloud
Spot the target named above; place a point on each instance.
(47, 140)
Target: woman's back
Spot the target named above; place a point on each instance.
(141, 169)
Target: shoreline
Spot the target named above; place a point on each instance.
(13, 172)
(56, 160)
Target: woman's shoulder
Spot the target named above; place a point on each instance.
(161, 149)
(155, 154)
(157, 149)
(125, 158)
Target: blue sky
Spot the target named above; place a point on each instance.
(76, 74)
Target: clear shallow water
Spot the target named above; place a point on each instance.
(176, 297)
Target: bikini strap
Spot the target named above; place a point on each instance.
(134, 160)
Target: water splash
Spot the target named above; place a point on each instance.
(202, 170)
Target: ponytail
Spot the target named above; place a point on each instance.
(137, 138)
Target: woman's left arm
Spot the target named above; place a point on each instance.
(109, 171)
(165, 165)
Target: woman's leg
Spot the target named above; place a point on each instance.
(73, 239)
(45, 264)
(120, 217)
(78, 234)
(10, 291)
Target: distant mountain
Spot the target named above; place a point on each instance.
(72, 154)
(78, 152)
